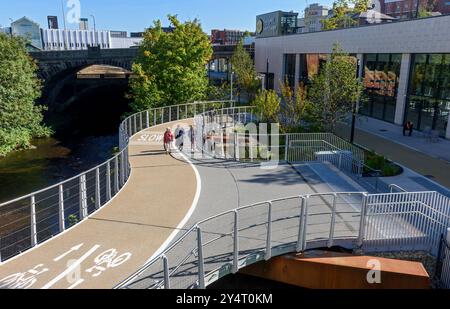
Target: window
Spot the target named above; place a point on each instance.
(429, 92)
(381, 76)
(310, 66)
(289, 69)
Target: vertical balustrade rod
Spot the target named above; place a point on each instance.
(362, 223)
(166, 272)
(268, 254)
(116, 175)
(108, 181)
(147, 119)
(286, 147)
(135, 124)
(236, 243)
(201, 265)
(333, 222)
(122, 169)
(300, 225)
(305, 223)
(33, 221)
(83, 197)
(62, 224)
(154, 117)
(178, 112)
(170, 113)
(98, 202)
(162, 115)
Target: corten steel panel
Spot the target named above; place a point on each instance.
(327, 270)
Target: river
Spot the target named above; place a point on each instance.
(51, 161)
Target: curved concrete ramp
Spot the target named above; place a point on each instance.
(331, 270)
(118, 239)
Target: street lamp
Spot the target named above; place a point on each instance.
(231, 95)
(95, 32)
(355, 105)
(93, 18)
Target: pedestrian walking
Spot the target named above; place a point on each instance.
(192, 137)
(168, 139)
(179, 136)
(408, 127)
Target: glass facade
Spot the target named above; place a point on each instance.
(381, 78)
(429, 92)
(289, 69)
(310, 65)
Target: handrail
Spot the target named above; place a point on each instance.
(107, 179)
(394, 186)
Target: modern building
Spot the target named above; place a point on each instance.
(84, 24)
(276, 23)
(405, 66)
(227, 37)
(403, 9)
(66, 39)
(118, 34)
(125, 42)
(312, 21)
(29, 29)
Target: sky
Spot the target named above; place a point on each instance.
(136, 15)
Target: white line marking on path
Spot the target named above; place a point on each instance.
(75, 248)
(71, 268)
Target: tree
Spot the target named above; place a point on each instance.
(296, 108)
(243, 67)
(342, 12)
(20, 118)
(171, 67)
(336, 89)
(267, 105)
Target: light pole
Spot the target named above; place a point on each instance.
(10, 28)
(355, 105)
(231, 94)
(95, 31)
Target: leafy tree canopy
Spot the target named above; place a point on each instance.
(342, 12)
(20, 118)
(243, 67)
(171, 67)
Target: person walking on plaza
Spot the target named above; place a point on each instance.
(168, 139)
(179, 136)
(409, 126)
(192, 137)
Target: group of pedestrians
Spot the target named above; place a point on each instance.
(178, 136)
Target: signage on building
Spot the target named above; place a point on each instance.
(52, 22)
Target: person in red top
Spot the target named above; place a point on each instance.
(168, 139)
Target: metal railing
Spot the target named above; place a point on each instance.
(224, 243)
(443, 263)
(35, 218)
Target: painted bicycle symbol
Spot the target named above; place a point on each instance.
(23, 280)
(106, 260)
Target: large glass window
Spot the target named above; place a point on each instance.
(289, 69)
(381, 76)
(429, 92)
(310, 65)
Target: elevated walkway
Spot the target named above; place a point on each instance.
(118, 239)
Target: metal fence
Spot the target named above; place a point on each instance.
(443, 263)
(36, 217)
(223, 244)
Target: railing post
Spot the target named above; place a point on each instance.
(166, 272)
(62, 224)
(135, 124)
(116, 174)
(300, 225)
(268, 255)
(333, 222)
(147, 119)
(201, 265)
(108, 181)
(154, 117)
(122, 169)
(237, 150)
(286, 147)
(170, 113)
(98, 203)
(362, 223)
(162, 115)
(178, 112)
(236, 243)
(340, 160)
(33, 221)
(83, 198)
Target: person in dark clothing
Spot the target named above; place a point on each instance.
(409, 126)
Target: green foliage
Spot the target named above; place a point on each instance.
(342, 13)
(243, 67)
(380, 163)
(335, 89)
(171, 67)
(296, 109)
(267, 105)
(20, 118)
(73, 219)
